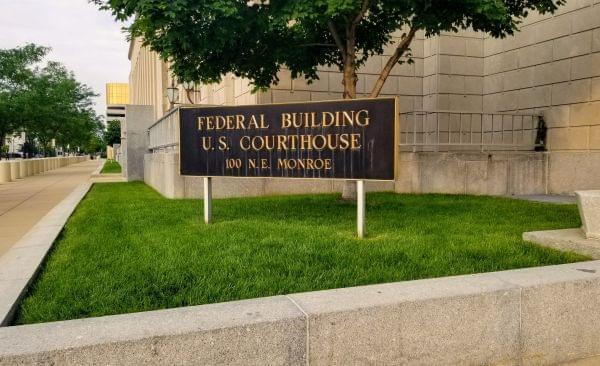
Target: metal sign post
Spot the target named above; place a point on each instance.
(207, 200)
(341, 139)
(360, 208)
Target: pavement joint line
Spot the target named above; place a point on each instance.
(307, 327)
(34, 255)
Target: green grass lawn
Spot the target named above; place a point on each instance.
(128, 249)
(111, 166)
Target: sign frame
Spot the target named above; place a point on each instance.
(360, 186)
(396, 137)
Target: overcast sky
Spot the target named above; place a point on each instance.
(88, 41)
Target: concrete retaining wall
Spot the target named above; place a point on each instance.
(536, 316)
(161, 171)
(498, 173)
(485, 173)
(11, 170)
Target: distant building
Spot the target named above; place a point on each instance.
(117, 95)
(15, 144)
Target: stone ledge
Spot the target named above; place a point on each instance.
(589, 210)
(532, 316)
(19, 266)
(260, 331)
(566, 239)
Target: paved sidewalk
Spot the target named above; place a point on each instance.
(24, 202)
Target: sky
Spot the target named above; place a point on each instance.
(86, 40)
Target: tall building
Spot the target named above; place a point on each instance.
(467, 95)
(117, 96)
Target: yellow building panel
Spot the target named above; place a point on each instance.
(117, 93)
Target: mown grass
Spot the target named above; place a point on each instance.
(127, 249)
(111, 166)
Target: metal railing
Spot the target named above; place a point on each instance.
(443, 130)
(164, 133)
(421, 131)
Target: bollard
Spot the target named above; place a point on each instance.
(15, 171)
(4, 172)
(22, 168)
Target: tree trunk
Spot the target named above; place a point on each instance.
(350, 78)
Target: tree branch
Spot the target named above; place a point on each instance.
(393, 60)
(361, 14)
(337, 39)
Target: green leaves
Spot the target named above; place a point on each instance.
(46, 102)
(206, 39)
(112, 135)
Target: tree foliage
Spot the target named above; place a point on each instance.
(205, 39)
(112, 135)
(46, 102)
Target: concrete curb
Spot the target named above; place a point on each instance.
(97, 171)
(19, 266)
(533, 316)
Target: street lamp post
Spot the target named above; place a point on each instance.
(172, 95)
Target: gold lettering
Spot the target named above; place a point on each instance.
(223, 143)
(305, 142)
(245, 146)
(293, 139)
(313, 120)
(281, 142)
(210, 122)
(230, 125)
(286, 120)
(321, 145)
(348, 118)
(328, 119)
(306, 164)
(269, 142)
(206, 143)
(363, 122)
(253, 123)
(263, 126)
(220, 122)
(239, 122)
(355, 143)
(201, 122)
(344, 143)
(261, 143)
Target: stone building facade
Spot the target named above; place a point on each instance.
(551, 67)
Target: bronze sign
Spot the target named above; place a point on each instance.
(346, 139)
